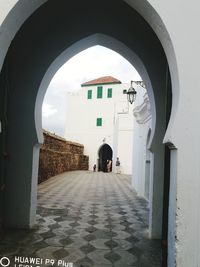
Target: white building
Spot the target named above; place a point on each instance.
(98, 116)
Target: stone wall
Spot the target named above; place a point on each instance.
(58, 155)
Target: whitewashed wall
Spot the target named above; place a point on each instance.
(141, 154)
(117, 123)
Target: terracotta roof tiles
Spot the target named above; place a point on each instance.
(102, 80)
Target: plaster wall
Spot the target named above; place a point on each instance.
(139, 158)
(142, 124)
(125, 142)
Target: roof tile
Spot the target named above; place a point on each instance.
(102, 80)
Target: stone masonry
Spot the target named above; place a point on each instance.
(58, 155)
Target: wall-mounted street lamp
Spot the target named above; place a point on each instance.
(131, 94)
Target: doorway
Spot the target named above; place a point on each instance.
(105, 154)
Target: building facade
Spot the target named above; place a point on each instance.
(99, 116)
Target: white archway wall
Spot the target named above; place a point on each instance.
(183, 127)
(153, 13)
(141, 135)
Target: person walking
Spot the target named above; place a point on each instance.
(118, 166)
(94, 168)
(109, 165)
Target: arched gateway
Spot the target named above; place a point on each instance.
(29, 57)
(105, 153)
(54, 33)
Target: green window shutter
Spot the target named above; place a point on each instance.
(99, 121)
(109, 94)
(89, 95)
(99, 92)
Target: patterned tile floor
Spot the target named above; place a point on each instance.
(88, 219)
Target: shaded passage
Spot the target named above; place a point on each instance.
(89, 219)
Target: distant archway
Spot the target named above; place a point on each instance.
(105, 153)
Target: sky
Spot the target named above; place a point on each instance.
(87, 65)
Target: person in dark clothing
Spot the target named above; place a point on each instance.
(94, 168)
(118, 166)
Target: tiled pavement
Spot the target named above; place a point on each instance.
(89, 219)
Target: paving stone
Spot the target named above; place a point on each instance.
(112, 256)
(122, 244)
(54, 241)
(32, 238)
(66, 241)
(74, 224)
(54, 226)
(92, 222)
(97, 257)
(103, 234)
(42, 230)
(101, 226)
(126, 258)
(60, 254)
(60, 231)
(93, 216)
(89, 237)
(86, 262)
(47, 234)
(47, 253)
(111, 244)
(106, 224)
(83, 225)
(87, 248)
(80, 233)
(66, 223)
(129, 230)
(121, 234)
(71, 232)
(74, 256)
(76, 242)
(132, 239)
(125, 223)
(91, 229)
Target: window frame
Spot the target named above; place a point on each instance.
(89, 94)
(99, 122)
(99, 92)
(109, 93)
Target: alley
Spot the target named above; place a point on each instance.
(88, 219)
